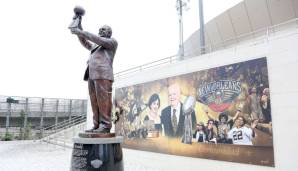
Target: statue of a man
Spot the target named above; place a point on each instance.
(99, 74)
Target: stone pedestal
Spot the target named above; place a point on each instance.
(97, 154)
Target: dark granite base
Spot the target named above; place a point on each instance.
(97, 154)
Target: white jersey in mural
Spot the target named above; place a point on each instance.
(241, 136)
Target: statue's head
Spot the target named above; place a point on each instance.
(105, 31)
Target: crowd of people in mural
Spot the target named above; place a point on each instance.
(233, 131)
(236, 126)
(227, 128)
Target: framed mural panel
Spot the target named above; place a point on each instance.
(221, 113)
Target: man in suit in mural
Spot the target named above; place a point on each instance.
(172, 118)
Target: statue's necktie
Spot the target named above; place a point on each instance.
(174, 121)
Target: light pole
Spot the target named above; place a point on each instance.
(202, 27)
(180, 6)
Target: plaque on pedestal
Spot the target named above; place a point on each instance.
(97, 154)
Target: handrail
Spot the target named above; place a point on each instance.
(62, 125)
(37, 97)
(169, 59)
(63, 128)
(65, 121)
(70, 123)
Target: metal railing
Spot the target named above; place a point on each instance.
(33, 105)
(262, 34)
(167, 60)
(47, 131)
(61, 133)
(36, 113)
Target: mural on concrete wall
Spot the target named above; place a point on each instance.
(220, 113)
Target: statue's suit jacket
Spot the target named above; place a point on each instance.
(100, 63)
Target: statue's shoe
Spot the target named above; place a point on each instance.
(91, 130)
(102, 130)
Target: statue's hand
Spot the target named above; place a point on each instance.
(75, 31)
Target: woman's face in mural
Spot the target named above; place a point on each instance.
(155, 106)
(210, 124)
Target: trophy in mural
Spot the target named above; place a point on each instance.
(188, 108)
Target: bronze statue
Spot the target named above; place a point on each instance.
(99, 72)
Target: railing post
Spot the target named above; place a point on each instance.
(26, 113)
(8, 114)
(69, 111)
(41, 117)
(64, 139)
(56, 116)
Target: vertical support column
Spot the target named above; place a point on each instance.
(41, 116)
(56, 116)
(69, 111)
(26, 113)
(8, 114)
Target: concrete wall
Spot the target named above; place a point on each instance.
(34, 121)
(282, 57)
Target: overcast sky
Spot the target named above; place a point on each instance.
(39, 57)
